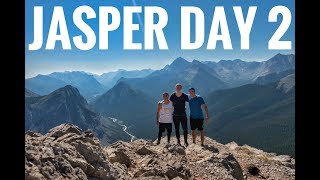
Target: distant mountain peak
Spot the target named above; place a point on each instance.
(179, 61)
(70, 88)
(40, 75)
(178, 64)
(69, 92)
(282, 56)
(231, 60)
(196, 62)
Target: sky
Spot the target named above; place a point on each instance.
(100, 61)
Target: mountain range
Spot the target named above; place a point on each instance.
(238, 72)
(208, 76)
(66, 105)
(45, 84)
(250, 102)
(90, 85)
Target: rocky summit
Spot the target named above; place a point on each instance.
(67, 152)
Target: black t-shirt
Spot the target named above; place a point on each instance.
(179, 104)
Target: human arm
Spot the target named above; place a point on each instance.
(171, 97)
(205, 107)
(206, 110)
(186, 98)
(158, 110)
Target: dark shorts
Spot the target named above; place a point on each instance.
(196, 124)
(165, 126)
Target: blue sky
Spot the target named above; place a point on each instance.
(98, 61)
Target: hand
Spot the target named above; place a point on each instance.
(157, 122)
(207, 119)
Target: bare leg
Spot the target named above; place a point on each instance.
(194, 135)
(202, 136)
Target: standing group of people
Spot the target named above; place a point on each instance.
(172, 110)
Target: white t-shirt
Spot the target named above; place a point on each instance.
(165, 114)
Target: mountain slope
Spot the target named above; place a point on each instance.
(28, 93)
(129, 105)
(43, 85)
(287, 84)
(88, 86)
(259, 115)
(66, 105)
(273, 77)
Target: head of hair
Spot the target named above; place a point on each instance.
(192, 89)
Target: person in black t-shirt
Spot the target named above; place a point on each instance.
(179, 100)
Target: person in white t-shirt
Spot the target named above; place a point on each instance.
(164, 116)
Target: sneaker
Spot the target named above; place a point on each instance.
(202, 144)
(186, 144)
(158, 142)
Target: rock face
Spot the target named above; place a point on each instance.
(64, 105)
(287, 83)
(67, 152)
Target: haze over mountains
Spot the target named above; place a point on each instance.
(89, 85)
(249, 102)
(110, 79)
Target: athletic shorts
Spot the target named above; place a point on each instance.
(165, 126)
(196, 124)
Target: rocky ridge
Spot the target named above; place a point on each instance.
(67, 152)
